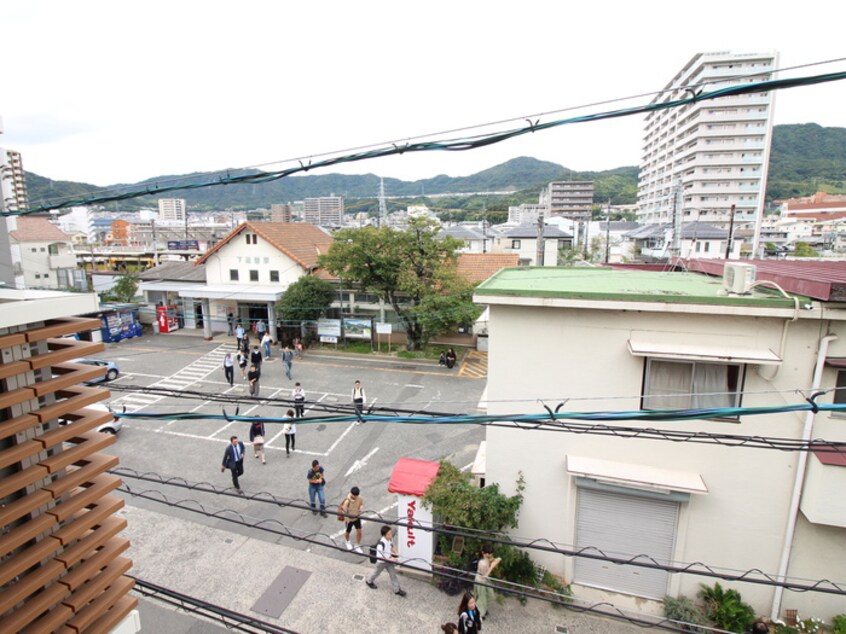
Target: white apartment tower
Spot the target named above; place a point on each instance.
(172, 209)
(701, 158)
(570, 199)
(326, 211)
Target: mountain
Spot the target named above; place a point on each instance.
(805, 158)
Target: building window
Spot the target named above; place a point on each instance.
(54, 249)
(274, 276)
(515, 244)
(252, 238)
(43, 249)
(34, 250)
(253, 276)
(691, 384)
(233, 275)
(840, 392)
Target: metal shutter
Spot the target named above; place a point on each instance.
(624, 525)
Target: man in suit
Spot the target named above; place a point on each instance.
(233, 458)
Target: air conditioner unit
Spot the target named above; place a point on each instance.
(738, 278)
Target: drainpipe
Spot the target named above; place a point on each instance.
(793, 512)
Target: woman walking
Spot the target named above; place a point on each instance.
(242, 363)
(257, 438)
(299, 399)
(229, 368)
(290, 430)
(485, 593)
(469, 619)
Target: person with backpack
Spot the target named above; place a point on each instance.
(359, 398)
(257, 439)
(229, 368)
(290, 431)
(316, 482)
(299, 399)
(349, 512)
(469, 619)
(288, 360)
(386, 558)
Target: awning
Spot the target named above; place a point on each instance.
(683, 348)
(167, 286)
(412, 477)
(235, 292)
(635, 475)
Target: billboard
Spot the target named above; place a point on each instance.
(329, 328)
(358, 329)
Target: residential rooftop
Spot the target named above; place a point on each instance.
(614, 285)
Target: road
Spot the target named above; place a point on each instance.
(352, 455)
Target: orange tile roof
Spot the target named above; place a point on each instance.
(301, 242)
(477, 267)
(37, 229)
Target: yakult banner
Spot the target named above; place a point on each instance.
(409, 480)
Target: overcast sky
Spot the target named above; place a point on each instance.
(115, 92)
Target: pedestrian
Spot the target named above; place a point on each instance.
(242, 363)
(229, 368)
(386, 559)
(253, 378)
(359, 398)
(442, 358)
(266, 342)
(449, 628)
(239, 335)
(261, 328)
(484, 593)
(230, 323)
(350, 512)
(316, 482)
(245, 344)
(290, 431)
(288, 360)
(298, 346)
(233, 459)
(257, 438)
(255, 356)
(469, 619)
(450, 358)
(299, 400)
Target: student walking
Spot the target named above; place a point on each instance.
(233, 459)
(386, 559)
(229, 368)
(257, 438)
(288, 360)
(484, 593)
(261, 328)
(359, 398)
(253, 378)
(350, 512)
(242, 363)
(316, 482)
(230, 323)
(469, 619)
(239, 335)
(266, 342)
(299, 396)
(255, 356)
(290, 431)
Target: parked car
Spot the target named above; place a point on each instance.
(112, 426)
(111, 373)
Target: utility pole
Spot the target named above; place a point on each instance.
(185, 213)
(731, 231)
(155, 243)
(608, 232)
(540, 250)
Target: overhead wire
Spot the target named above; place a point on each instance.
(452, 145)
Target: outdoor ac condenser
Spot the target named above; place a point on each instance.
(738, 277)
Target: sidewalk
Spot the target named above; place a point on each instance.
(232, 570)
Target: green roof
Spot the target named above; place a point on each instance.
(604, 283)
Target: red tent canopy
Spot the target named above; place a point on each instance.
(412, 477)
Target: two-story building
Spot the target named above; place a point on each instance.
(46, 253)
(523, 241)
(631, 341)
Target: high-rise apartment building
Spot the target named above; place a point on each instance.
(11, 263)
(16, 174)
(326, 211)
(172, 209)
(281, 213)
(702, 158)
(570, 199)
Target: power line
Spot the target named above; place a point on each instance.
(542, 544)
(451, 145)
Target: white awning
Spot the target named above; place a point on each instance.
(167, 286)
(235, 292)
(636, 476)
(686, 347)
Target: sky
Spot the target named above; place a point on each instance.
(116, 92)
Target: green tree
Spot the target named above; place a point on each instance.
(306, 299)
(414, 271)
(124, 290)
(804, 250)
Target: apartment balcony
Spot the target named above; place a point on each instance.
(62, 261)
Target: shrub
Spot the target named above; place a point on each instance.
(685, 611)
(725, 608)
(838, 624)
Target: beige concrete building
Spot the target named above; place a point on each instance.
(602, 339)
(47, 256)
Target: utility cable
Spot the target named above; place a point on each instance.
(450, 145)
(754, 575)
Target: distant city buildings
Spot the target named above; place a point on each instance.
(172, 209)
(282, 213)
(326, 211)
(570, 199)
(701, 159)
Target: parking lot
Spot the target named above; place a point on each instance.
(352, 455)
